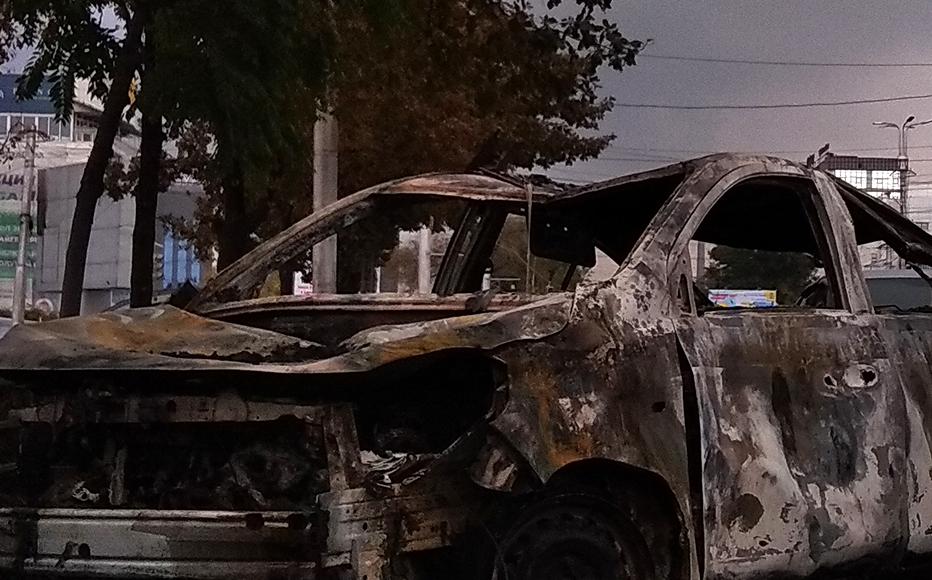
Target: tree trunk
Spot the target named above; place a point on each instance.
(286, 281)
(234, 230)
(92, 182)
(147, 192)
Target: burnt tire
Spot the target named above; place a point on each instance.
(572, 535)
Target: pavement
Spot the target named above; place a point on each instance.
(5, 324)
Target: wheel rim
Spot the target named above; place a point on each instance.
(575, 561)
(570, 539)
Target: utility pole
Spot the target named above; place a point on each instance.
(903, 155)
(326, 163)
(423, 260)
(25, 231)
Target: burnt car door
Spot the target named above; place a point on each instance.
(907, 331)
(801, 430)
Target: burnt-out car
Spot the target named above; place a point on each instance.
(550, 394)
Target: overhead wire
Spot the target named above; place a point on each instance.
(786, 62)
(766, 106)
(708, 151)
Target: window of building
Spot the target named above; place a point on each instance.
(856, 177)
(885, 180)
(45, 126)
(65, 130)
(179, 264)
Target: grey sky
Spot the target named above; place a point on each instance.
(836, 31)
(850, 31)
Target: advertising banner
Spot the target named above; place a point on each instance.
(11, 188)
(743, 298)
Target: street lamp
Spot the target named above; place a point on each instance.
(903, 154)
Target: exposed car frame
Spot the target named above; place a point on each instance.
(730, 444)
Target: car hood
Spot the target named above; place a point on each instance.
(165, 338)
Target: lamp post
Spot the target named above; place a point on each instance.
(903, 155)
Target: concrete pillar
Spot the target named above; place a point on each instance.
(326, 140)
(423, 261)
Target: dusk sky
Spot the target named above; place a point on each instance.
(790, 30)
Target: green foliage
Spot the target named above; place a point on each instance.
(739, 269)
(417, 85)
(68, 41)
(471, 83)
(122, 178)
(238, 68)
(441, 86)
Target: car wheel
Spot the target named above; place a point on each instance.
(572, 536)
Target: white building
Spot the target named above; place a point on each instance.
(60, 158)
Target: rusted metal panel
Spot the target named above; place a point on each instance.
(342, 443)
(105, 408)
(163, 543)
(803, 431)
(463, 185)
(365, 302)
(161, 332)
(71, 345)
(910, 337)
(787, 441)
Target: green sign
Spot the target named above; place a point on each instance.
(9, 247)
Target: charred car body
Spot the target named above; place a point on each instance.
(606, 421)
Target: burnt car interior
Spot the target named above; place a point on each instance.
(477, 248)
(115, 445)
(778, 217)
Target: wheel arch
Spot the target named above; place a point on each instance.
(646, 495)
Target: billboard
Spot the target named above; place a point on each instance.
(40, 105)
(11, 188)
(724, 298)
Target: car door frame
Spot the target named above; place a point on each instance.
(852, 297)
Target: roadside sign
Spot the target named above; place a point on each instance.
(11, 188)
(743, 298)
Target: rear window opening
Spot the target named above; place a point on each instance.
(895, 253)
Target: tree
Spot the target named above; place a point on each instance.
(239, 80)
(449, 86)
(472, 83)
(239, 76)
(69, 41)
(739, 269)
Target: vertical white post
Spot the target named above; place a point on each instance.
(326, 139)
(423, 261)
(25, 231)
(700, 260)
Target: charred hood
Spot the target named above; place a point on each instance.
(169, 339)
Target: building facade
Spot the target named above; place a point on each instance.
(886, 178)
(61, 154)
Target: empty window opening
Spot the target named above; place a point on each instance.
(762, 246)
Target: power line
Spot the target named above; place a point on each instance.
(771, 106)
(787, 63)
(760, 151)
